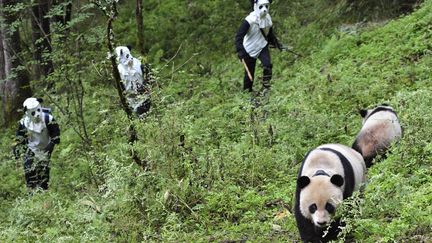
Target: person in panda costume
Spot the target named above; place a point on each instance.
(252, 42)
(36, 136)
(137, 91)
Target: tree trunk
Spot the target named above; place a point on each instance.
(2, 51)
(16, 86)
(140, 25)
(66, 16)
(41, 39)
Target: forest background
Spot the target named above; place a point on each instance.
(207, 164)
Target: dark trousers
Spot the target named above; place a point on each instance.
(36, 172)
(264, 57)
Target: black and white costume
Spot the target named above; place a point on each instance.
(137, 91)
(252, 42)
(37, 134)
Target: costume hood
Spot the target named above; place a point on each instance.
(33, 116)
(261, 14)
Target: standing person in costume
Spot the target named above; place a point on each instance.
(252, 42)
(137, 90)
(37, 134)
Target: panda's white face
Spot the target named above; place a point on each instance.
(319, 199)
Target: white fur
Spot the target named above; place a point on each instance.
(393, 128)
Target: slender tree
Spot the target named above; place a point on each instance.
(41, 38)
(140, 25)
(15, 84)
(67, 9)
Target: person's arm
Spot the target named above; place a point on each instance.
(242, 31)
(272, 39)
(54, 134)
(20, 140)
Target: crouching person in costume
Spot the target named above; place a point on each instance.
(252, 42)
(37, 134)
(137, 91)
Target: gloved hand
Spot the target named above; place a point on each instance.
(242, 55)
(50, 147)
(283, 47)
(15, 152)
(140, 88)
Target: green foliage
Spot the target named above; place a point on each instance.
(220, 167)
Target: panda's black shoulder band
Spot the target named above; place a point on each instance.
(378, 109)
(348, 171)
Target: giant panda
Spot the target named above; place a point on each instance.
(328, 174)
(380, 129)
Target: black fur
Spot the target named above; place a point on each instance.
(378, 109)
(337, 180)
(303, 181)
(356, 147)
(308, 231)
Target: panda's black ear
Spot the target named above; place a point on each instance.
(363, 113)
(303, 181)
(337, 180)
(129, 47)
(40, 100)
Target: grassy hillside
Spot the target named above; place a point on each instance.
(222, 169)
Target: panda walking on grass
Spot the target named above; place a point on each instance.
(252, 42)
(329, 174)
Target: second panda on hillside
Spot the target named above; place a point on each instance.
(380, 129)
(328, 174)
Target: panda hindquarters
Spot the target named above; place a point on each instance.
(377, 134)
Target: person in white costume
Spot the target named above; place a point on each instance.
(36, 136)
(252, 42)
(137, 91)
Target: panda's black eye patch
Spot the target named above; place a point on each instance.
(127, 55)
(313, 208)
(260, 7)
(38, 109)
(33, 113)
(330, 208)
